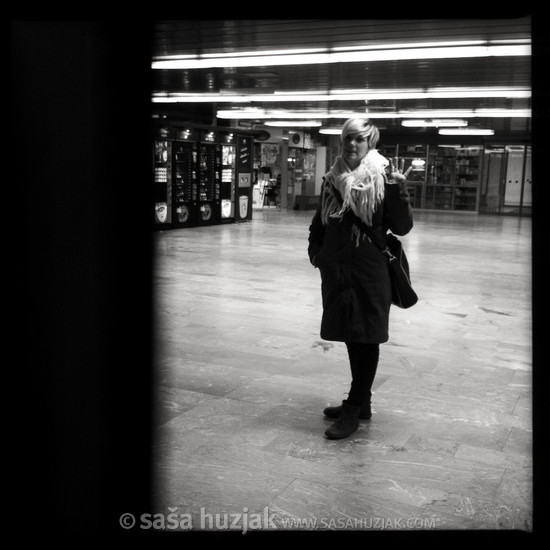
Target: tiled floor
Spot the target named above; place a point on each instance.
(242, 378)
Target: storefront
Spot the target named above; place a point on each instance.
(478, 177)
(210, 175)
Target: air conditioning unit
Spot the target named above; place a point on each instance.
(268, 134)
(295, 139)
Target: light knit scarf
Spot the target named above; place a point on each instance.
(362, 189)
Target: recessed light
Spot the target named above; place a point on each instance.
(294, 123)
(466, 132)
(451, 122)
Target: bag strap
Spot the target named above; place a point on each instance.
(375, 238)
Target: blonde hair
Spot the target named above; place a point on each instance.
(363, 127)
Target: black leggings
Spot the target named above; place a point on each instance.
(363, 359)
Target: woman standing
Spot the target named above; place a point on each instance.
(360, 191)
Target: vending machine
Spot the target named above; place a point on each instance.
(244, 178)
(162, 180)
(201, 175)
(209, 178)
(228, 143)
(185, 192)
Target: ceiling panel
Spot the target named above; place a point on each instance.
(209, 36)
(200, 37)
(489, 71)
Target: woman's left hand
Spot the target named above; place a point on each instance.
(396, 174)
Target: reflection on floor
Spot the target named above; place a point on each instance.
(242, 378)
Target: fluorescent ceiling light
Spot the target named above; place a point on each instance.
(248, 112)
(427, 114)
(454, 113)
(255, 53)
(392, 52)
(434, 123)
(344, 95)
(465, 132)
(282, 114)
(366, 94)
(331, 131)
(434, 44)
(294, 123)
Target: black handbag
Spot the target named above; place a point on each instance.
(402, 292)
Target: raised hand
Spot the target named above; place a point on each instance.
(396, 168)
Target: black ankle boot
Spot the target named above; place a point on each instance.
(346, 424)
(334, 412)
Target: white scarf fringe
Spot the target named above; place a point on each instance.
(362, 189)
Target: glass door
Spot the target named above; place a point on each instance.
(506, 183)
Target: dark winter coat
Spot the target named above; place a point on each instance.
(355, 284)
